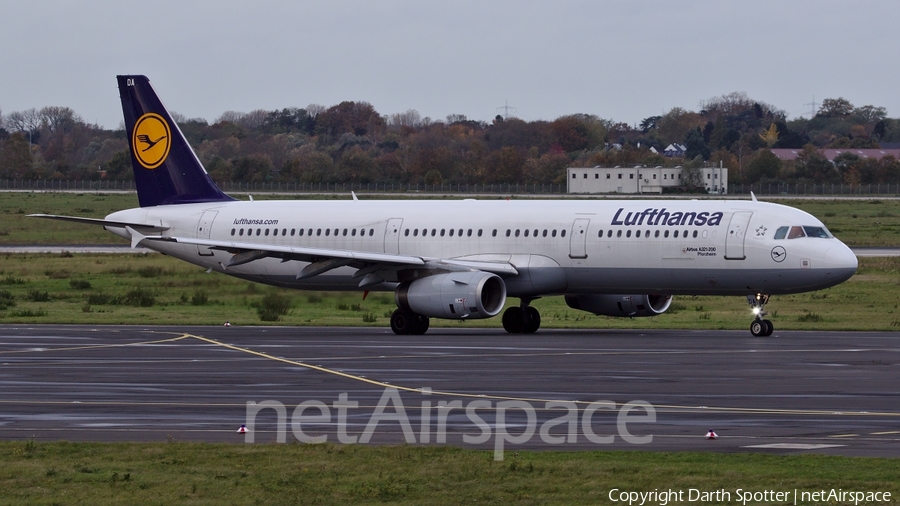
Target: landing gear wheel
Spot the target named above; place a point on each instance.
(769, 327)
(514, 320)
(422, 323)
(521, 320)
(405, 323)
(532, 320)
(758, 328)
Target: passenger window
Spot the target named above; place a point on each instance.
(336, 232)
(628, 233)
(494, 233)
(299, 232)
(241, 233)
(535, 233)
(796, 232)
(781, 232)
(479, 232)
(647, 234)
(562, 233)
(600, 234)
(526, 232)
(695, 234)
(508, 232)
(345, 232)
(545, 233)
(318, 231)
(553, 233)
(517, 232)
(294, 231)
(666, 233)
(675, 234)
(284, 231)
(433, 232)
(637, 234)
(451, 232)
(656, 234)
(619, 233)
(405, 232)
(232, 231)
(460, 232)
(258, 231)
(442, 232)
(274, 232)
(415, 232)
(327, 232)
(371, 231)
(609, 234)
(469, 233)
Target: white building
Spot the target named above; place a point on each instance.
(643, 179)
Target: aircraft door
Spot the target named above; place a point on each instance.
(578, 239)
(737, 231)
(392, 236)
(204, 227)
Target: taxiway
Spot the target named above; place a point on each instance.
(822, 392)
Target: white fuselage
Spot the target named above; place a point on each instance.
(591, 246)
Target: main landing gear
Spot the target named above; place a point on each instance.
(760, 327)
(408, 323)
(523, 319)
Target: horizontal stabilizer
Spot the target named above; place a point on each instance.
(105, 223)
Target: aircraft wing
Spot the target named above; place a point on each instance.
(105, 223)
(372, 265)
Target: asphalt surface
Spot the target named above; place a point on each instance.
(794, 392)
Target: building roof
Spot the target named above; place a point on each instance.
(831, 154)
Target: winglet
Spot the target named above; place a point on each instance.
(354, 195)
(753, 197)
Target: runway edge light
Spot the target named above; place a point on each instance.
(709, 435)
(243, 429)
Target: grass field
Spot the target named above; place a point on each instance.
(187, 473)
(856, 222)
(156, 289)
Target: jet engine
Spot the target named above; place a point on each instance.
(621, 305)
(455, 295)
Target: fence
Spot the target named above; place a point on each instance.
(453, 188)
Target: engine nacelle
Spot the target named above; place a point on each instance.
(455, 295)
(621, 305)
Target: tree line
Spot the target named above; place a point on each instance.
(352, 142)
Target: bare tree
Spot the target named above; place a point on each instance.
(28, 120)
(59, 119)
(410, 118)
(315, 109)
(231, 117)
(254, 118)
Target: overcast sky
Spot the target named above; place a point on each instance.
(620, 60)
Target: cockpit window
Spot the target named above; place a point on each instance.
(796, 232)
(818, 232)
(781, 232)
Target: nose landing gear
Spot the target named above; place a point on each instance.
(760, 327)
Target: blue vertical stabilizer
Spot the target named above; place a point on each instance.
(166, 170)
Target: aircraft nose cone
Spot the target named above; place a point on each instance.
(842, 262)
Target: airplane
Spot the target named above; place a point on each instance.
(462, 259)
